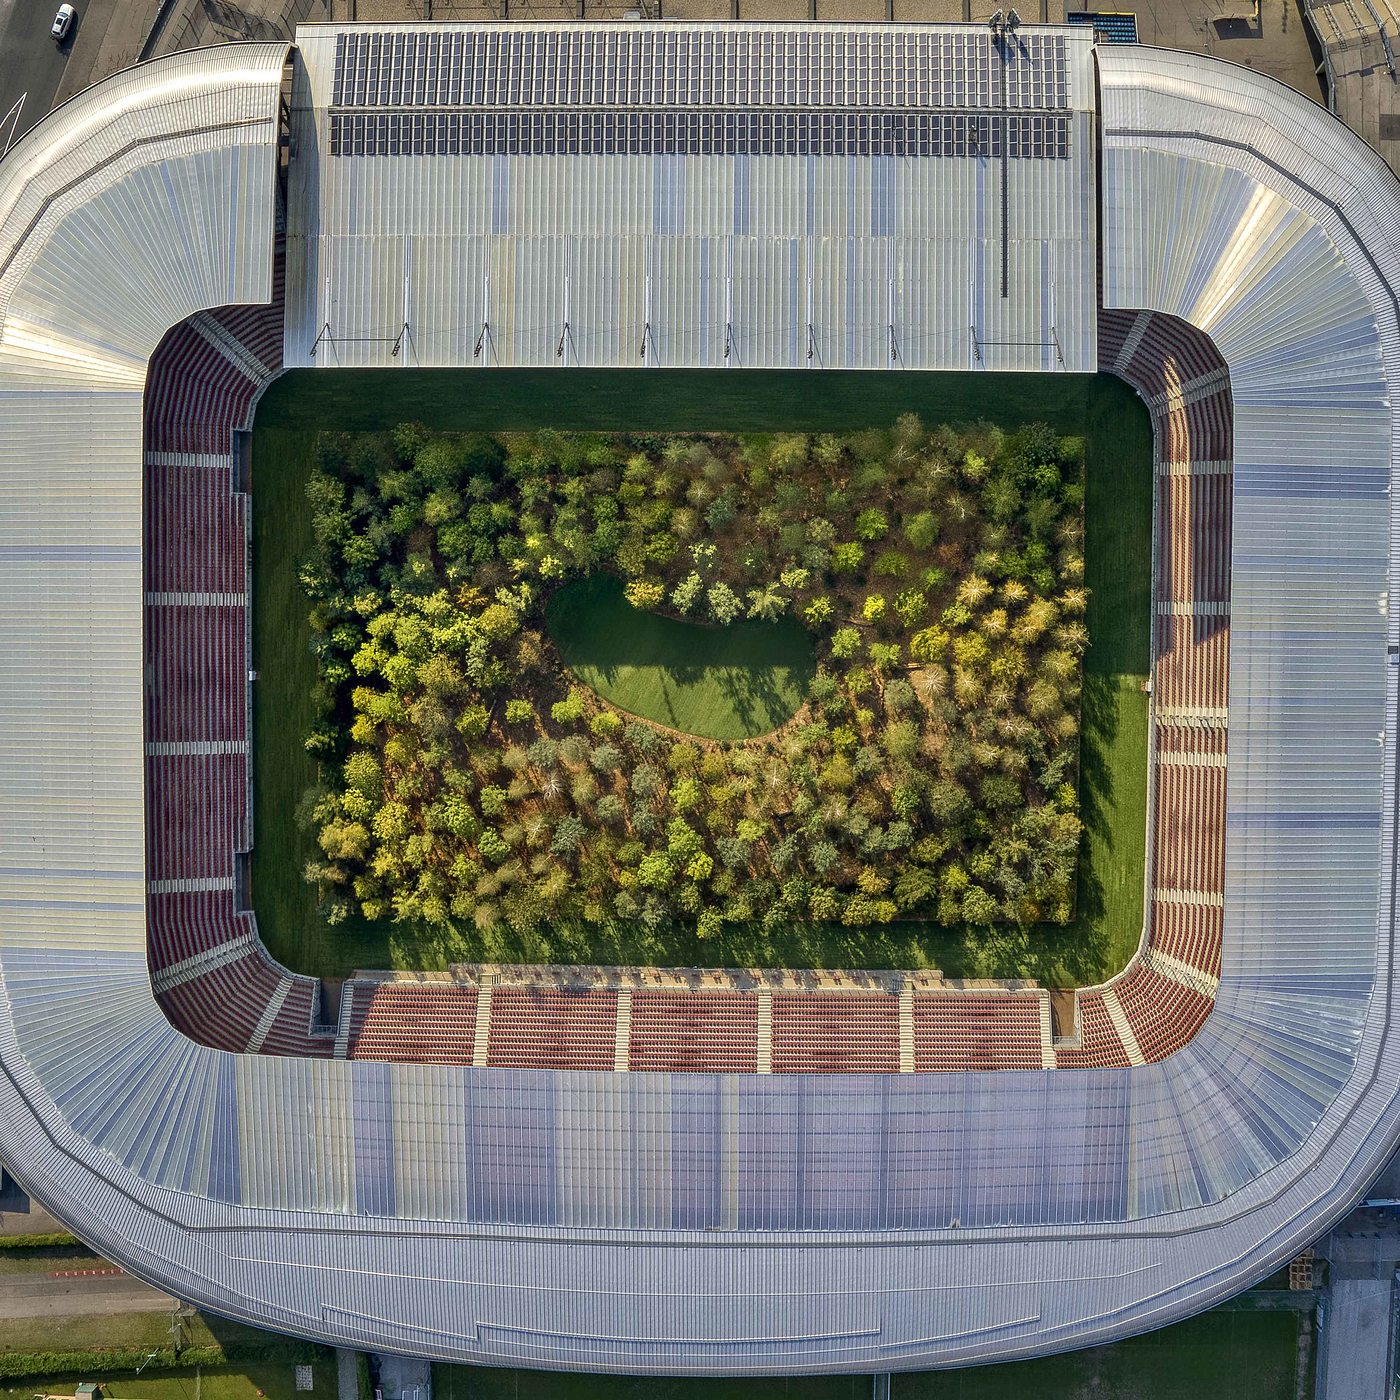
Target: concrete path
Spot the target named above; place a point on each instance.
(347, 1374)
(43, 1295)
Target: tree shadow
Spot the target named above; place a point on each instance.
(760, 670)
(1098, 727)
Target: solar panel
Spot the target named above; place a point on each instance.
(1033, 136)
(699, 68)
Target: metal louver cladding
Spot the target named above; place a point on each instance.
(705, 1223)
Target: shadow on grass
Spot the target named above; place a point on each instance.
(1098, 718)
(242, 1341)
(728, 683)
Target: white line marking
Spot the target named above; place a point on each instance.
(12, 116)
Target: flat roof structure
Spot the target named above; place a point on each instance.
(762, 196)
(706, 1222)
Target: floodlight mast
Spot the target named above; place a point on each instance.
(485, 317)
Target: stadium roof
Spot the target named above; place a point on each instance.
(706, 1223)
(709, 196)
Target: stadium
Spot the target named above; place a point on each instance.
(709, 1175)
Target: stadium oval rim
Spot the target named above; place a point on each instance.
(721, 1223)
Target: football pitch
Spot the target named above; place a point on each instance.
(1118, 548)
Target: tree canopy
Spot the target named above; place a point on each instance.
(464, 775)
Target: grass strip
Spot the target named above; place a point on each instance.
(49, 1241)
(1257, 1352)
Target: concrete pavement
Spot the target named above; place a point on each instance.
(405, 1378)
(31, 64)
(18, 1214)
(1356, 1320)
(108, 40)
(36, 73)
(28, 1219)
(78, 1295)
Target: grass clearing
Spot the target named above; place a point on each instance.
(1118, 529)
(735, 682)
(275, 1380)
(137, 1331)
(1246, 1355)
(78, 1333)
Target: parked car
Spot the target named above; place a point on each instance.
(63, 22)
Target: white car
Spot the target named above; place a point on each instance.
(63, 21)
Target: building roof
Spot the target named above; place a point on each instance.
(685, 196)
(705, 1223)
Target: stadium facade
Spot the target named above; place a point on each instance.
(887, 197)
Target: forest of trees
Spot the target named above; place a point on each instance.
(931, 773)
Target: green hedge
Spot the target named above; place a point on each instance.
(39, 1241)
(48, 1363)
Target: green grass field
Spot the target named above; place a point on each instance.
(1242, 1355)
(733, 682)
(1118, 527)
(136, 1331)
(274, 1379)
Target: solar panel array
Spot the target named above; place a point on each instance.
(613, 179)
(1034, 136)
(679, 66)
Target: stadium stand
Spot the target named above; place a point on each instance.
(976, 1031)
(694, 1032)
(1186, 385)
(217, 983)
(838, 1032)
(1100, 1042)
(424, 1025)
(553, 1027)
(211, 972)
(1163, 1013)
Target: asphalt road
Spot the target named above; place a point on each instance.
(31, 64)
(42, 1295)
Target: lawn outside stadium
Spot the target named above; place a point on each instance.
(826, 1222)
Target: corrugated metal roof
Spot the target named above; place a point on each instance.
(710, 1223)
